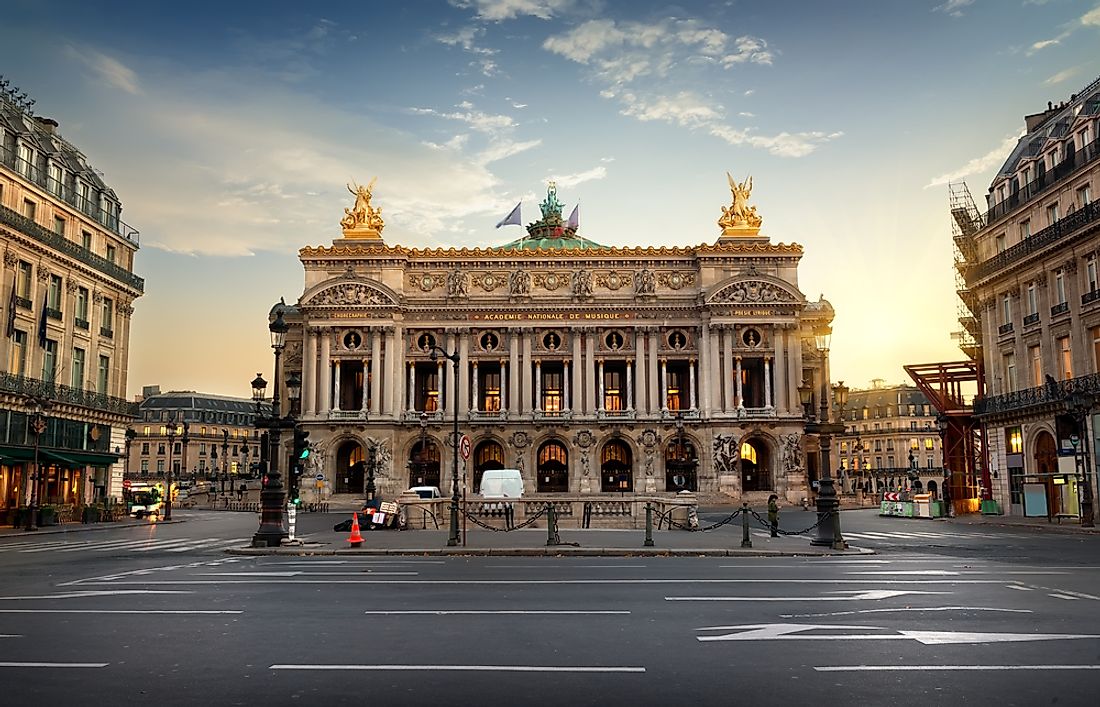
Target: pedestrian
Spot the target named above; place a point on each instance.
(240, 492)
(773, 514)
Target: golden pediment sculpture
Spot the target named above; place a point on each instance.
(362, 220)
(740, 218)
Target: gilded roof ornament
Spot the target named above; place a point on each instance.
(363, 220)
(740, 218)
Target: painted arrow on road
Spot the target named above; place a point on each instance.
(797, 632)
(853, 595)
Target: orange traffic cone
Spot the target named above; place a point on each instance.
(355, 539)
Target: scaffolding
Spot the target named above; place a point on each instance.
(966, 222)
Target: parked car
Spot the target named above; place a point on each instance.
(501, 483)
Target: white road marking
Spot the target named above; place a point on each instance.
(1062, 596)
(519, 582)
(476, 668)
(1018, 588)
(919, 668)
(120, 611)
(54, 665)
(10, 635)
(928, 573)
(556, 567)
(97, 593)
(796, 632)
(481, 613)
(1079, 595)
(901, 609)
(872, 594)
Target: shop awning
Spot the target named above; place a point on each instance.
(20, 454)
(79, 460)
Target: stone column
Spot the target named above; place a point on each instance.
(412, 386)
(767, 382)
(601, 399)
(391, 373)
(651, 374)
(565, 384)
(641, 397)
(578, 371)
(706, 379)
(309, 373)
(796, 367)
(505, 395)
(740, 397)
(462, 386)
(326, 370)
(538, 386)
(375, 373)
(664, 385)
(589, 371)
(629, 386)
(779, 341)
(525, 375)
(729, 403)
(474, 402)
(514, 407)
(691, 384)
(336, 385)
(440, 376)
(368, 385)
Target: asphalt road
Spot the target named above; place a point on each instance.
(160, 613)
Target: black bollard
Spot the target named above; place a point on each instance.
(745, 541)
(551, 526)
(648, 525)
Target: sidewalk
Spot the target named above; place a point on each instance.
(8, 531)
(1068, 525)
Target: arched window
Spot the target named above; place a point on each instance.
(553, 468)
(615, 467)
(489, 455)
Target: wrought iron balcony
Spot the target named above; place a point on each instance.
(1031, 319)
(1060, 308)
(21, 385)
(61, 244)
(1005, 329)
(1086, 218)
(1053, 395)
(1090, 297)
(1039, 186)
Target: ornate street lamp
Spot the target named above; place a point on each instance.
(225, 458)
(828, 516)
(1079, 403)
(131, 435)
(38, 424)
(452, 539)
(272, 498)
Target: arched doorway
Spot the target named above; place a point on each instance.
(488, 455)
(1046, 454)
(755, 466)
(349, 468)
(615, 467)
(552, 468)
(681, 462)
(424, 463)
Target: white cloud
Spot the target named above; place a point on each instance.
(1061, 76)
(1088, 20)
(108, 69)
(978, 164)
(953, 7)
(499, 10)
(465, 38)
(635, 61)
(572, 180)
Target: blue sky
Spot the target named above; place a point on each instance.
(230, 129)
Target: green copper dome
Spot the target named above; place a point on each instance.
(563, 242)
(551, 232)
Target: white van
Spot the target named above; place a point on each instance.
(501, 483)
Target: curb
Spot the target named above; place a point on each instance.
(84, 528)
(541, 552)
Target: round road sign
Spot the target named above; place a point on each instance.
(464, 447)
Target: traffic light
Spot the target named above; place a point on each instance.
(301, 444)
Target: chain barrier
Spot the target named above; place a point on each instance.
(768, 526)
(525, 524)
(666, 517)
